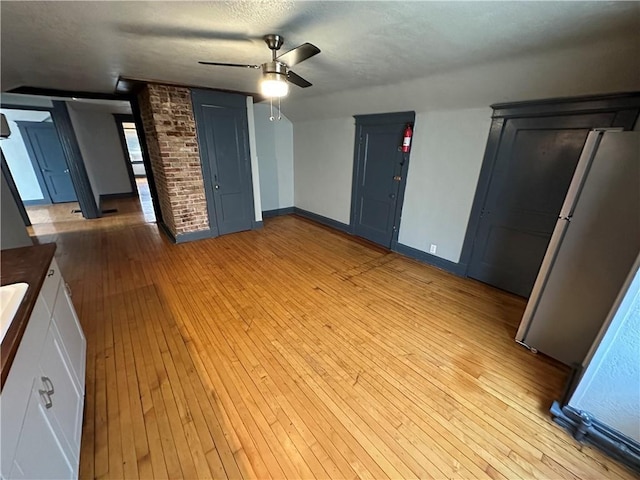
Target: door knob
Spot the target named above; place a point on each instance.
(217, 187)
(66, 170)
(392, 196)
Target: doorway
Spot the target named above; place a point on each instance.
(35, 162)
(34, 167)
(379, 176)
(223, 139)
(131, 142)
(94, 155)
(531, 155)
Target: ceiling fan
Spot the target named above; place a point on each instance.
(276, 74)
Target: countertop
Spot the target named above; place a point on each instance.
(29, 265)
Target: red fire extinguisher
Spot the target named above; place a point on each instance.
(406, 140)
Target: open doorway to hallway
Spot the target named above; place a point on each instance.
(35, 163)
(130, 140)
(41, 157)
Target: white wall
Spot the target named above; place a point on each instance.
(323, 166)
(274, 146)
(452, 124)
(13, 233)
(445, 160)
(17, 156)
(101, 149)
(610, 386)
(602, 67)
(444, 165)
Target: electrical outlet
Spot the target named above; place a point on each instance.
(433, 248)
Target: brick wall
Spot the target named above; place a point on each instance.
(170, 129)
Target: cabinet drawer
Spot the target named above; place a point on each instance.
(50, 285)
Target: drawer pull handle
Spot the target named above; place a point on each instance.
(47, 398)
(51, 273)
(48, 384)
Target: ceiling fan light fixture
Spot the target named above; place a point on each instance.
(276, 75)
(274, 85)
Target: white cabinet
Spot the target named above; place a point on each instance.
(39, 453)
(42, 401)
(75, 345)
(64, 399)
(17, 388)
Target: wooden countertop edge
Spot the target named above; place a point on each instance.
(29, 265)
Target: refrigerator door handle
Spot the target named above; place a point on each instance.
(541, 280)
(580, 175)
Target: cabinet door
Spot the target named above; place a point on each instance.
(50, 286)
(17, 389)
(65, 413)
(39, 453)
(75, 345)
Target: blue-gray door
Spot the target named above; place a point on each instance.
(50, 164)
(221, 122)
(534, 165)
(379, 176)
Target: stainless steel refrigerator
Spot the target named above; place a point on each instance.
(592, 248)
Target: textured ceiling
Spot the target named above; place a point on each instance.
(87, 45)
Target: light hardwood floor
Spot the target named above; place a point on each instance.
(297, 352)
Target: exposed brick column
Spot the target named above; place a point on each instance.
(170, 129)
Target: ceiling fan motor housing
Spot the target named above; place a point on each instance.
(274, 41)
(275, 68)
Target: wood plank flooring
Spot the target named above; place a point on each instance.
(298, 352)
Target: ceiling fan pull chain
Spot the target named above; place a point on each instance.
(271, 117)
(279, 110)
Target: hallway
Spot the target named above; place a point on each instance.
(66, 217)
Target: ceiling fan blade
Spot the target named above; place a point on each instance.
(220, 64)
(298, 80)
(298, 54)
(183, 33)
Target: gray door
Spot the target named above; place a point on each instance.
(534, 165)
(379, 176)
(50, 164)
(221, 121)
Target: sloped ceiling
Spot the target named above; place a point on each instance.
(87, 45)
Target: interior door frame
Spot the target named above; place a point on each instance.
(23, 125)
(119, 118)
(75, 162)
(358, 165)
(626, 106)
(200, 97)
(87, 204)
(14, 190)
